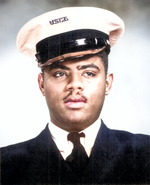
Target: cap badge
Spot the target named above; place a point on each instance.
(59, 20)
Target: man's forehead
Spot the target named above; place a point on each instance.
(92, 62)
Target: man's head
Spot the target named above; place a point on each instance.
(75, 91)
(72, 47)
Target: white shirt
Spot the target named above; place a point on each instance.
(65, 147)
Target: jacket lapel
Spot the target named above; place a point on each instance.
(53, 168)
(102, 157)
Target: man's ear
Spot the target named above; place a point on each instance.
(41, 83)
(109, 81)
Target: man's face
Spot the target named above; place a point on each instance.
(75, 91)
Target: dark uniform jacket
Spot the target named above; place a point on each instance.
(118, 157)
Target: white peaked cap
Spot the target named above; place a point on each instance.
(65, 21)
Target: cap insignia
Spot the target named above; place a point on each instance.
(59, 20)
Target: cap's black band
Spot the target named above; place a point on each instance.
(70, 42)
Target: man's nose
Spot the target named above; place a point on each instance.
(75, 82)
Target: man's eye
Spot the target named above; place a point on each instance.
(59, 74)
(89, 74)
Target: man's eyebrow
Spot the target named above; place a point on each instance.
(80, 67)
(58, 66)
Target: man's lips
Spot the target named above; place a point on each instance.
(80, 99)
(75, 102)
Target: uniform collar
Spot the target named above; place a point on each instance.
(65, 147)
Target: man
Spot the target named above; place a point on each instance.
(72, 47)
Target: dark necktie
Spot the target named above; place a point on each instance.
(78, 159)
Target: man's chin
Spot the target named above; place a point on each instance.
(77, 125)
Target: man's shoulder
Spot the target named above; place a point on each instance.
(24, 148)
(125, 138)
(131, 137)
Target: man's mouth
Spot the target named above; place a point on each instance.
(75, 102)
